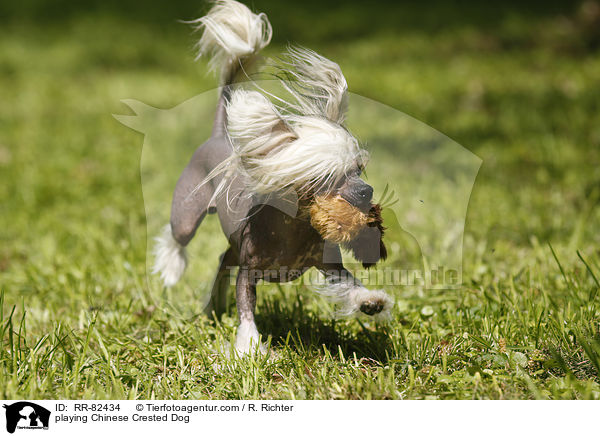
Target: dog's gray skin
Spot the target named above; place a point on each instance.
(265, 242)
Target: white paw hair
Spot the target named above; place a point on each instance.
(354, 299)
(247, 339)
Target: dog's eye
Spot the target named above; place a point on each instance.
(362, 160)
(360, 168)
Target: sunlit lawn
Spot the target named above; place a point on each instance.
(80, 320)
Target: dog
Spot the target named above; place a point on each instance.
(283, 178)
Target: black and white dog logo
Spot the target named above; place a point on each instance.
(26, 415)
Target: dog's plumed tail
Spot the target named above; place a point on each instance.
(170, 258)
(232, 35)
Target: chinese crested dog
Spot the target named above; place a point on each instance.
(283, 176)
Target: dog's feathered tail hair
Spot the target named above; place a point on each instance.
(170, 259)
(232, 35)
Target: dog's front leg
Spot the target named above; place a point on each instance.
(247, 339)
(345, 290)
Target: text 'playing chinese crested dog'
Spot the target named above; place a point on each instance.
(283, 175)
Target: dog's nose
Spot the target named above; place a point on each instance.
(357, 193)
(365, 193)
(362, 195)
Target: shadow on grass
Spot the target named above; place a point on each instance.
(302, 331)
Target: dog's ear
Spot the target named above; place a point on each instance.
(368, 247)
(316, 83)
(254, 125)
(258, 134)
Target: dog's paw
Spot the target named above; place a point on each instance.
(354, 299)
(372, 307)
(376, 304)
(247, 340)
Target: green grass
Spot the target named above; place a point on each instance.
(80, 320)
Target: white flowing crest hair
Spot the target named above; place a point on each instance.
(316, 83)
(298, 145)
(278, 152)
(230, 33)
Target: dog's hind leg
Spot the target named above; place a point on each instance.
(170, 258)
(191, 198)
(218, 299)
(191, 202)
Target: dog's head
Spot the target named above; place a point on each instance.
(304, 146)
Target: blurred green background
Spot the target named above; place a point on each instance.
(517, 83)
